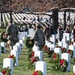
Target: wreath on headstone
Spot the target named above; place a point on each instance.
(29, 43)
(63, 50)
(63, 65)
(55, 58)
(6, 71)
(38, 72)
(4, 37)
(70, 52)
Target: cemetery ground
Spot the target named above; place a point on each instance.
(22, 68)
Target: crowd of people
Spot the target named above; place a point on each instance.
(22, 28)
(41, 33)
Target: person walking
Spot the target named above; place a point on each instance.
(48, 32)
(39, 37)
(12, 33)
(60, 32)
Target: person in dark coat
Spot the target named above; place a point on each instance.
(60, 32)
(39, 37)
(48, 32)
(12, 32)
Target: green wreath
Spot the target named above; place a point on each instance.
(55, 58)
(29, 43)
(63, 65)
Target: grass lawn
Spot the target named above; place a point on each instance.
(22, 69)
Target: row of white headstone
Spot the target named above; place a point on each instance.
(66, 37)
(37, 53)
(39, 65)
(30, 33)
(66, 56)
(63, 44)
(16, 51)
(18, 18)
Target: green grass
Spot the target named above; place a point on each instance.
(22, 69)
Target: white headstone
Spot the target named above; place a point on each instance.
(72, 47)
(65, 45)
(8, 62)
(64, 40)
(1, 73)
(19, 48)
(57, 50)
(74, 69)
(42, 67)
(60, 43)
(72, 39)
(3, 44)
(66, 56)
(67, 35)
(38, 54)
(4, 20)
(15, 53)
(31, 32)
(21, 42)
(47, 43)
(57, 36)
(35, 48)
(22, 34)
(23, 38)
(74, 44)
(53, 38)
(52, 46)
(16, 48)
